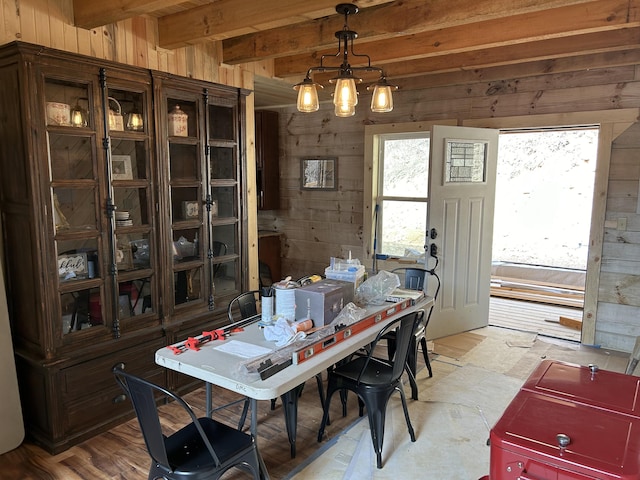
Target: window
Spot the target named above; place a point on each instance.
(401, 203)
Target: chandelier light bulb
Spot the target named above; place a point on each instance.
(345, 110)
(307, 96)
(381, 100)
(345, 93)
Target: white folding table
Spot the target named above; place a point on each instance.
(223, 369)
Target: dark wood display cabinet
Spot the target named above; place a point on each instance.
(113, 223)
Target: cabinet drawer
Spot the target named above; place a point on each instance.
(91, 396)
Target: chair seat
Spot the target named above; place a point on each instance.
(187, 452)
(380, 375)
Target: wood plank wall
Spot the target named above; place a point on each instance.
(319, 225)
(135, 42)
(618, 320)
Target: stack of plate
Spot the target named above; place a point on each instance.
(123, 220)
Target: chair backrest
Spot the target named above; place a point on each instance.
(406, 327)
(246, 304)
(264, 271)
(404, 334)
(414, 277)
(142, 394)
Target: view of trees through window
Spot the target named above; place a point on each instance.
(544, 193)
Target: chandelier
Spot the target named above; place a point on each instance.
(345, 95)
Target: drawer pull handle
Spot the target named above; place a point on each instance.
(120, 398)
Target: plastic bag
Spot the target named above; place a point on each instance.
(350, 314)
(376, 289)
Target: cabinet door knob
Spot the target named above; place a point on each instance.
(120, 398)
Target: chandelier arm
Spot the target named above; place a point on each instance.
(358, 54)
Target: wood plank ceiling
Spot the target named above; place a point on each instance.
(417, 42)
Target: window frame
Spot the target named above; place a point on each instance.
(381, 198)
(371, 175)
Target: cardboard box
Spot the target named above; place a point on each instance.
(324, 300)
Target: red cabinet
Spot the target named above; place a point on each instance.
(569, 422)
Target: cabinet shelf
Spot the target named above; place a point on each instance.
(71, 285)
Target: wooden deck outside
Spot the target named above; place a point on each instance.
(541, 318)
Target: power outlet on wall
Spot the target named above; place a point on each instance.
(622, 223)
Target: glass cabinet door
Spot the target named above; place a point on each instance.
(224, 174)
(127, 121)
(200, 146)
(185, 148)
(74, 189)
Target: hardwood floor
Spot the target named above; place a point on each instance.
(121, 454)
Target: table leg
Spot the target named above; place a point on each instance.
(254, 418)
(208, 401)
(254, 432)
(290, 404)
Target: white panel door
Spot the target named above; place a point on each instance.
(461, 204)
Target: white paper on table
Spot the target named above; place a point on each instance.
(242, 349)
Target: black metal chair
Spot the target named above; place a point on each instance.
(203, 449)
(264, 273)
(374, 380)
(416, 279)
(246, 304)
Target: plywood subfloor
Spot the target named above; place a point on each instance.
(532, 317)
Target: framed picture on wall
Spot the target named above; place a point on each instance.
(319, 173)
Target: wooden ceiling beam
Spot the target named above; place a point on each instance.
(589, 43)
(228, 18)
(503, 73)
(554, 23)
(391, 20)
(89, 14)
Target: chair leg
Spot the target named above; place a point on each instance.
(391, 348)
(412, 382)
(243, 416)
(321, 393)
(412, 434)
(290, 407)
(273, 403)
(423, 343)
(376, 412)
(331, 388)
